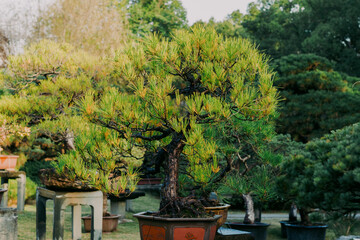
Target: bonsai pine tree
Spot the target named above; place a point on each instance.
(44, 85)
(317, 99)
(177, 90)
(325, 174)
(253, 165)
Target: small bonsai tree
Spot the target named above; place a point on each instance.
(253, 166)
(324, 175)
(177, 91)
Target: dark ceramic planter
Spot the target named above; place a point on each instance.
(300, 232)
(257, 230)
(219, 210)
(283, 227)
(159, 228)
(109, 223)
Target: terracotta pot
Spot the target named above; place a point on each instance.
(219, 210)
(8, 162)
(301, 232)
(2, 193)
(159, 228)
(109, 223)
(257, 230)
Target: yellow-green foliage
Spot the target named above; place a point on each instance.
(102, 160)
(45, 83)
(179, 87)
(47, 79)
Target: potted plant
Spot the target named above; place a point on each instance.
(46, 81)
(177, 90)
(101, 161)
(296, 184)
(10, 134)
(323, 176)
(257, 185)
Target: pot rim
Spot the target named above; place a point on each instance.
(9, 156)
(154, 218)
(260, 224)
(323, 225)
(218, 207)
(2, 190)
(288, 222)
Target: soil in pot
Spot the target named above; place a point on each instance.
(109, 223)
(219, 210)
(161, 228)
(257, 230)
(301, 232)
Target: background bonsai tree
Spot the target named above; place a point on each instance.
(258, 185)
(317, 99)
(325, 174)
(177, 90)
(43, 86)
(253, 166)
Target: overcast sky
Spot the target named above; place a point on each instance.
(219, 9)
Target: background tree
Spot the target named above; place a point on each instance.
(160, 16)
(230, 27)
(4, 51)
(335, 32)
(96, 26)
(317, 99)
(275, 26)
(326, 28)
(179, 88)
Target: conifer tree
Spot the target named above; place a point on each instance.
(44, 85)
(176, 91)
(316, 99)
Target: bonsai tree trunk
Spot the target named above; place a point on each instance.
(304, 215)
(293, 213)
(169, 204)
(105, 205)
(258, 214)
(249, 206)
